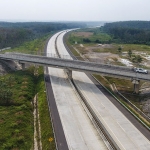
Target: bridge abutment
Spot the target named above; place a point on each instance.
(69, 73)
(136, 85)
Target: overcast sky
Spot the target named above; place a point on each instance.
(74, 10)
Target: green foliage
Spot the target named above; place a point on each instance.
(16, 120)
(20, 83)
(136, 32)
(32, 47)
(97, 41)
(86, 40)
(129, 24)
(97, 37)
(136, 59)
(73, 39)
(119, 49)
(14, 34)
(13, 37)
(130, 53)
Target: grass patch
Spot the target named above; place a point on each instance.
(102, 80)
(136, 47)
(98, 36)
(83, 36)
(32, 47)
(74, 52)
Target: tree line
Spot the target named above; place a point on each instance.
(13, 34)
(136, 32)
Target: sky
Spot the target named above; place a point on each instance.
(74, 10)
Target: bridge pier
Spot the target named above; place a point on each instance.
(136, 85)
(69, 73)
(23, 66)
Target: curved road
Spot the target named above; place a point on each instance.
(125, 134)
(78, 129)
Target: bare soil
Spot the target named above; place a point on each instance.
(96, 53)
(101, 53)
(100, 46)
(102, 57)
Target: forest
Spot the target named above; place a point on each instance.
(136, 32)
(14, 34)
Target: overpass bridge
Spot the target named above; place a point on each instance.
(76, 65)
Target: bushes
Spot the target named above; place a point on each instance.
(16, 118)
(133, 32)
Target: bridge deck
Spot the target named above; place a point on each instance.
(82, 66)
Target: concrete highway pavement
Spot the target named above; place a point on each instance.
(60, 139)
(124, 133)
(61, 142)
(127, 114)
(78, 128)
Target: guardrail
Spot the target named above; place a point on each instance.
(123, 105)
(137, 109)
